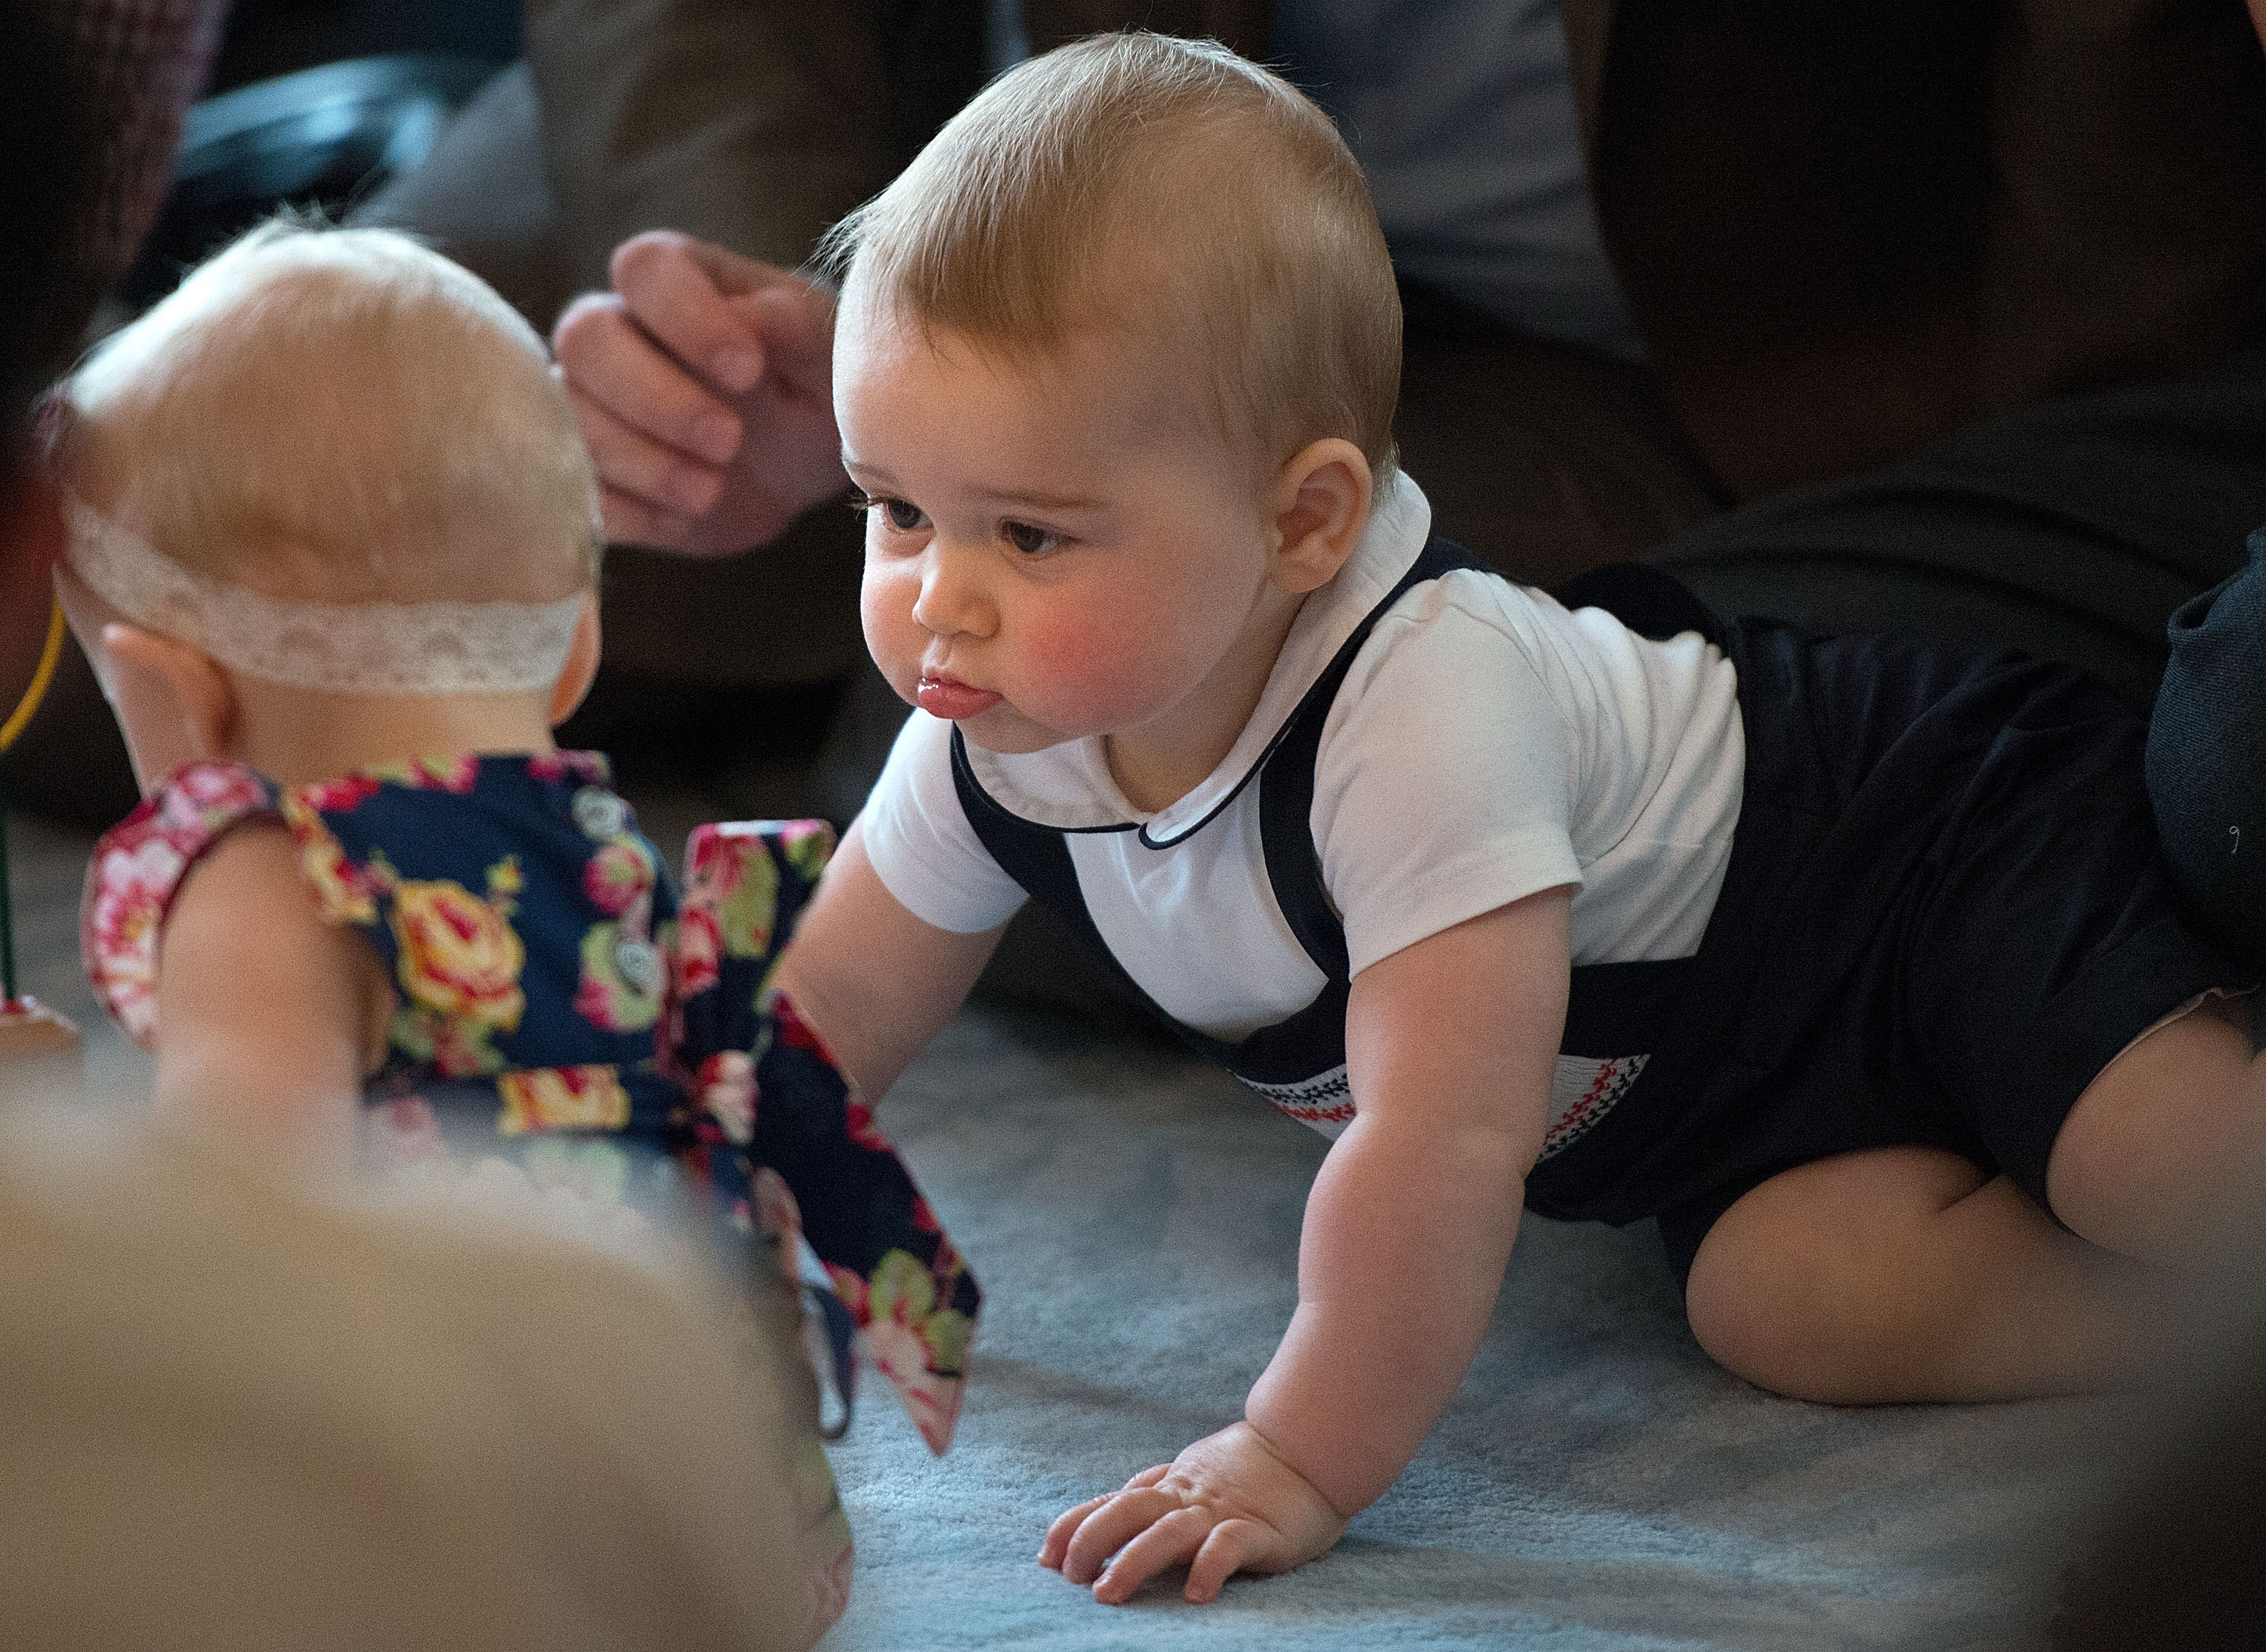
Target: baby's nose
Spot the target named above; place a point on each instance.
(952, 596)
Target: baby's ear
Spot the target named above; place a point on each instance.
(1321, 504)
(581, 664)
(173, 701)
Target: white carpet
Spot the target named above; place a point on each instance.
(1597, 1483)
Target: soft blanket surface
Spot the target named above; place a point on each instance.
(1597, 1483)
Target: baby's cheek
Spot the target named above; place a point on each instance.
(884, 613)
(1091, 667)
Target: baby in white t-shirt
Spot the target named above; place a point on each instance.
(1844, 959)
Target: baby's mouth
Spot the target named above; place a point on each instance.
(947, 697)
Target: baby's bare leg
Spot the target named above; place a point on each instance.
(1901, 1274)
(2162, 1155)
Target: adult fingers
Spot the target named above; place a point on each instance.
(1167, 1542)
(1111, 1527)
(731, 272)
(634, 521)
(796, 320)
(1065, 1524)
(631, 463)
(1228, 1546)
(605, 357)
(672, 291)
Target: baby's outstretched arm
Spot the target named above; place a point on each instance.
(267, 1016)
(872, 979)
(1449, 1045)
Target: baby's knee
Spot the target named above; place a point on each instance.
(1808, 1286)
(1782, 1334)
(1748, 1332)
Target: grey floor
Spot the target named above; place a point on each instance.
(1597, 1482)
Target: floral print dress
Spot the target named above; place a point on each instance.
(560, 1016)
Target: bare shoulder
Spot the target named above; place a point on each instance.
(248, 884)
(243, 939)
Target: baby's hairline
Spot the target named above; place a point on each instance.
(1090, 322)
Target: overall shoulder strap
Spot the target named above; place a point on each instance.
(1286, 786)
(1038, 858)
(1650, 601)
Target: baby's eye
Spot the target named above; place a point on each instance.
(1030, 540)
(903, 514)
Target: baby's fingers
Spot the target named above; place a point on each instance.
(1232, 1542)
(1065, 1527)
(1110, 1528)
(1167, 1542)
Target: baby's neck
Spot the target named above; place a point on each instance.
(294, 736)
(1156, 766)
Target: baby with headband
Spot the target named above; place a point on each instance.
(324, 516)
(334, 548)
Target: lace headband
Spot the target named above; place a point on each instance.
(333, 647)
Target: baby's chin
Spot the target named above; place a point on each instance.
(1008, 733)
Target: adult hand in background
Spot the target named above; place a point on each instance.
(703, 386)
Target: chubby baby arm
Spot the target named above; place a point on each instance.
(874, 982)
(267, 1016)
(1448, 1046)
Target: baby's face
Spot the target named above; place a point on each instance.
(1054, 552)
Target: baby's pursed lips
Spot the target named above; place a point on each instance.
(941, 694)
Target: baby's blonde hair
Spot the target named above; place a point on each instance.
(338, 415)
(1168, 189)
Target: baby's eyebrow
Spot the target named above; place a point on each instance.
(1042, 501)
(1007, 498)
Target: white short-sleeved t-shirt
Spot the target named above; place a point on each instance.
(1487, 744)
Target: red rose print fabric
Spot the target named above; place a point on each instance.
(559, 1017)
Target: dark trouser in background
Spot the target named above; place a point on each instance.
(2071, 529)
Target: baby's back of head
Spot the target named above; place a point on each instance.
(340, 415)
(1169, 191)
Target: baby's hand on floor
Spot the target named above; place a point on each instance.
(1227, 1504)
